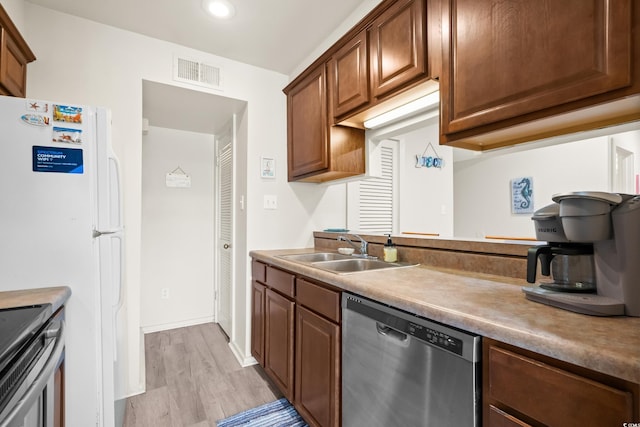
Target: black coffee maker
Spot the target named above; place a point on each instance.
(569, 265)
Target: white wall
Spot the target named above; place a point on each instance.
(483, 193)
(426, 194)
(106, 66)
(360, 12)
(177, 229)
(15, 9)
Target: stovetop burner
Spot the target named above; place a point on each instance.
(17, 326)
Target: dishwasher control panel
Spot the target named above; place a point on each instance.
(430, 332)
(436, 338)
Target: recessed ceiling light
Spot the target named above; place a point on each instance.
(219, 8)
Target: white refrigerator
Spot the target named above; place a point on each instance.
(61, 224)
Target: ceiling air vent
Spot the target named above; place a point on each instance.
(199, 73)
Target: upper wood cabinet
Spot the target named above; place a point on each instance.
(398, 47)
(349, 75)
(15, 54)
(381, 63)
(316, 150)
(392, 60)
(507, 63)
(307, 143)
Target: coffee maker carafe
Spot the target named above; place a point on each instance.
(608, 224)
(569, 264)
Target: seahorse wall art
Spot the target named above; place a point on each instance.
(522, 195)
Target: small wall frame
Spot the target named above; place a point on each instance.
(267, 167)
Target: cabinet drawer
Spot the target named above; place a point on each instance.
(553, 396)
(258, 271)
(281, 281)
(319, 299)
(498, 418)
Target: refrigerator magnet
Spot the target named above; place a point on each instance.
(65, 113)
(35, 119)
(67, 135)
(60, 160)
(37, 106)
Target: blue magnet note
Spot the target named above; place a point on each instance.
(60, 160)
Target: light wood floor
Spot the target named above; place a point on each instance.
(193, 379)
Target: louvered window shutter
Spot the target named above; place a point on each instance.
(376, 198)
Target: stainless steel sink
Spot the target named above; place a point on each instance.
(342, 264)
(315, 257)
(356, 265)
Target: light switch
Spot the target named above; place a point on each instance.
(270, 201)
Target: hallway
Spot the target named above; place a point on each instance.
(193, 380)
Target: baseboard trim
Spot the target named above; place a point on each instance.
(240, 357)
(174, 325)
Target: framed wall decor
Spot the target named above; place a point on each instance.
(522, 195)
(267, 167)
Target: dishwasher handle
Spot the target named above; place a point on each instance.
(388, 331)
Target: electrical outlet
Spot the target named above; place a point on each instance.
(164, 293)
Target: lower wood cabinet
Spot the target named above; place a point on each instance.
(58, 397)
(279, 344)
(59, 383)
(521, 388)
(296, 337)
(318, 361)
(258, 292)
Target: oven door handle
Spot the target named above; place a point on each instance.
(35, 390)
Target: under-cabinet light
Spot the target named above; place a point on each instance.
(421, 104)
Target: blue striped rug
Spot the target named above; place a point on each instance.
(279, 413)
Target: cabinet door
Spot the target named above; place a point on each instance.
(257, 321)
(14, 56)
(307, 140)
(349, 76)
(506, 59)
(279, 336)
(398, 47)
(317, 369)
(58, 397)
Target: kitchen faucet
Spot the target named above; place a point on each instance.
(364, 245)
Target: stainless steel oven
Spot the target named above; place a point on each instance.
(31, 350)
(402, 370)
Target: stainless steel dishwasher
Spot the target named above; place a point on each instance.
(402, 370)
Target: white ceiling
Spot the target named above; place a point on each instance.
(273, 34)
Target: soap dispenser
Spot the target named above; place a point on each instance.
(390, 251)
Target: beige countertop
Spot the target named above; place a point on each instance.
(56, 296)
(494, 307)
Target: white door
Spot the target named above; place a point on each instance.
(225, 143)
(623, 171)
